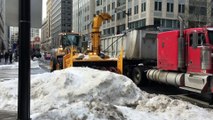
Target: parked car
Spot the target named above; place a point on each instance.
(47, 56)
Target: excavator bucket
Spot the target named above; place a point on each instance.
(93, 61)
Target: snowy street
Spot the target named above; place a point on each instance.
(8, 71)
(87, 94)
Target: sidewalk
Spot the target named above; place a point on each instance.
(2, 62)
(8, 115)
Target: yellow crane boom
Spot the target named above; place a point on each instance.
(96, 24)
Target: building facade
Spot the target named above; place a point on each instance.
(130, 14)
(60, 19)
(46, 41)
(3, 41)
(44, 36)
(83, 12)
(13, 36)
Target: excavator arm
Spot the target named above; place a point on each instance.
(96, 24)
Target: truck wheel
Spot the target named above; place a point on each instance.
(139, 77)
(128, 71)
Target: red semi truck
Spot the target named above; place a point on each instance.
(182, 58)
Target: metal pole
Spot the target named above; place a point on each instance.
(128, 20)
(78, 17)
(24, 61)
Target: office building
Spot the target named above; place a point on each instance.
(60, 19)
(130, 14)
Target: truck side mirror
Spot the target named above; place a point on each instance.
(194, 39)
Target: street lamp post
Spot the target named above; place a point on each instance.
(126, 13)
(24, 61)
(127, 26)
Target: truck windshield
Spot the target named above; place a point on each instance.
(210, 35)
(69, 40)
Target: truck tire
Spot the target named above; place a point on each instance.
(128, 71)
(139, 76)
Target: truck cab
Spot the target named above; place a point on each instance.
(199, 47)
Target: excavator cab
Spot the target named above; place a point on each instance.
(67, 41)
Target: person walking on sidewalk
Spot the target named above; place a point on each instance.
(1, 56)
(6, 55)
(11, 56)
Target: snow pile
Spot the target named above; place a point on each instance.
(82, 84)
(34, 64)
(88, 94)
(173, 109)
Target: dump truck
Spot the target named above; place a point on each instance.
(182, 57)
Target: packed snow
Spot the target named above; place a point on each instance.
(88, 94)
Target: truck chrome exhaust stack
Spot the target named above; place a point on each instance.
(181, 46)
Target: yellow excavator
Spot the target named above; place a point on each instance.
(94, 58)
(67, 41)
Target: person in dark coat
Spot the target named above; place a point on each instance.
(1, 56)
(11, 56)
(6, 55)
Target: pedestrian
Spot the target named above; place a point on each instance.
(11, 56)
(1, 56)
(6, 55)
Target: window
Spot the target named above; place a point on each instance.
(99, 2)
(181, 8)
(201, 39)
(210, 35)
(143, 7)
(113, 17)
(97, 12)
(197, 10)
(136, 9)
(108, 7)
(158, 5)
(212, 12)
(113, 30)
(113, 5)
(157, 22)
(130, 11)
(118, 16)
(124, 14)
(203, 11)
(104, 10)
(191, 9)
(170, 7)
